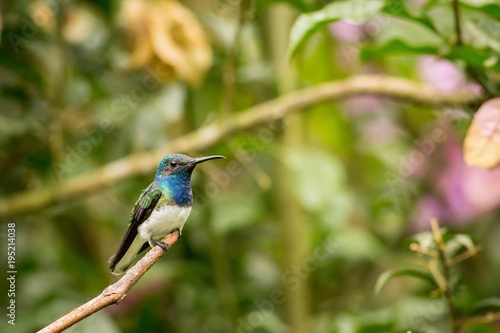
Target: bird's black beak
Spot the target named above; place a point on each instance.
(206, 158)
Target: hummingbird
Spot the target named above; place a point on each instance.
(162, 207)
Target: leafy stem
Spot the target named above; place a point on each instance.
(444, 282)
(441, 252)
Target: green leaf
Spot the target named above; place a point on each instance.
(300, 5)
(478, 3)
(486, 30)
(356, 245)
(490, 8)
(487, 304)
(402, 37)
(234, 212)
(397, 8)
(457, 242)
(478, 59)
(389, 275)
(492, 11)
(318, 186)
(465, 241)
(394, 47)
(24, 66)
(356, 11)
(425, 240)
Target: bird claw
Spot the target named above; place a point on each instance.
(159, 243)
(164, 246)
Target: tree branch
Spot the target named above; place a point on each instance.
(207, 136)
(456, 16)
(114, 293)
(487, 318)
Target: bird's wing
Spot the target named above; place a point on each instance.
(142, 210)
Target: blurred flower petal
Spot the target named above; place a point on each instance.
(43, 16)
(133, 14)
(347, 32)
(445, 76)
(427, 208)
(166, 32)
(482, 187)
(450, 184)
(460, 193)
(482, 142)
(82, 26)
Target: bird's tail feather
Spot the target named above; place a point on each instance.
(120, 265)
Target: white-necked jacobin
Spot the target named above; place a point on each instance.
(163, 207)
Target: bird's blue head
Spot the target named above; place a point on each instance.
(174, 176)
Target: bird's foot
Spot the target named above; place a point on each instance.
(180, 231)
(153, 242)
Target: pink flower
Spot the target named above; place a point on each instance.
(444, 76)
(460, 193)
(347, 32)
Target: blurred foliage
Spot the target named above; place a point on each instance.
(83, 83)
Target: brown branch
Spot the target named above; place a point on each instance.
(487, 318)
(1, 25)
(207, 136)
(456, 16)
(114, 293)
(229, 74)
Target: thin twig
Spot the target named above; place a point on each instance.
(456, 16)
(489, 91)
(472, 72)
(209, 135)
(464, 255)
(1, 24)
(229, 79)
(489, 317)
(222, 275)
(114, 293)
(229, 91)
(415, 247)
(444, 283)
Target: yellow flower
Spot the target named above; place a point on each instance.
(165, 33)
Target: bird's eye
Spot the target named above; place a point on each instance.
(173, 164)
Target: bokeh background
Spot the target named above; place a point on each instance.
(291, 232)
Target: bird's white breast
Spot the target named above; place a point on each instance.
(163, 221)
